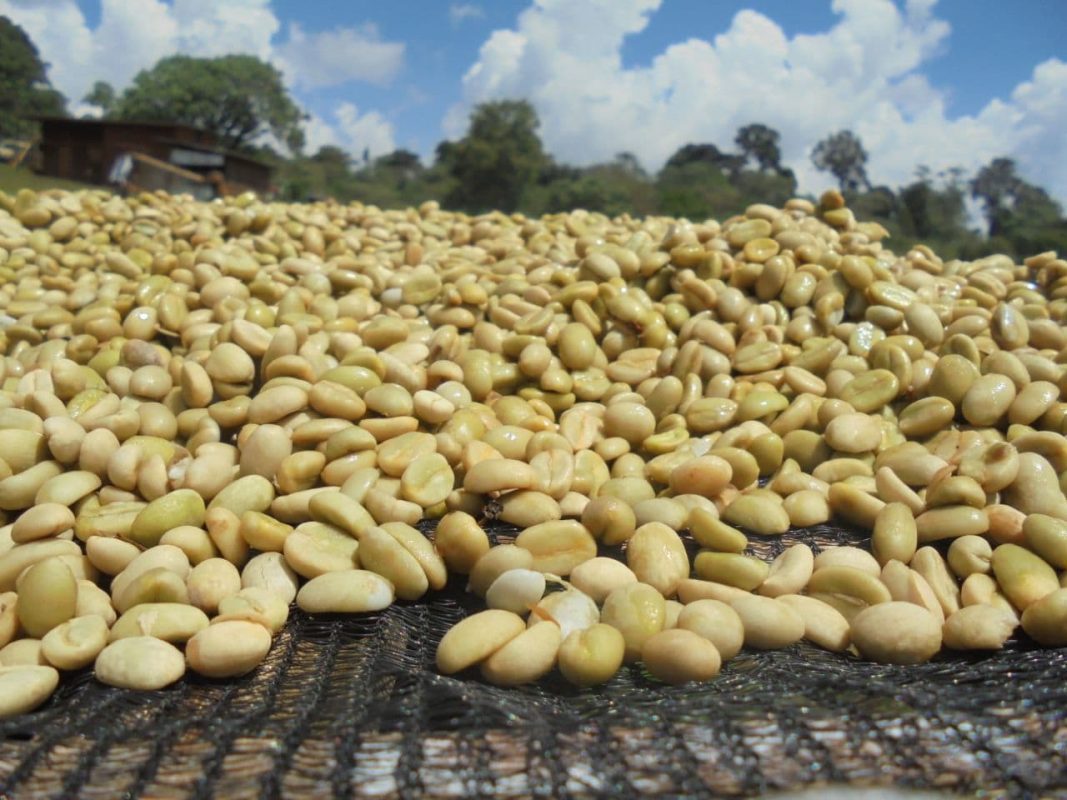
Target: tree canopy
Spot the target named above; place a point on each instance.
(103, 96)
(25, 91)
(759, 143)
(498, 158)
(238, 97)
(842, 154)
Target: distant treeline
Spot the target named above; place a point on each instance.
(502, 164)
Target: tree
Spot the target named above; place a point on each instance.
(996, 186)
(705, 154)
(843, 155)
(237, 97)
(102, 95)
(330, 155)
(24, 88)
(760, 143)
(499, 158)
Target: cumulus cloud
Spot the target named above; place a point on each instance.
(357, 133)
(341, 55)
(863, 73)
(134, 34)
(460, 12)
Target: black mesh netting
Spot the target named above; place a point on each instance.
(354, 707)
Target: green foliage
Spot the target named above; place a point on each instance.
(102, 95)
(1019, 213)
(759, 143)
(237, 97)
(842, 154)
(24, 88)
(498, 160)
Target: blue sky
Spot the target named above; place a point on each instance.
(940, 82)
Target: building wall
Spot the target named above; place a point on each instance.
(78, 151)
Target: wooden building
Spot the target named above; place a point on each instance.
(87, 150)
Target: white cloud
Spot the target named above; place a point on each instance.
(352, 131)
(134, 34)
(341, 55)
(863, 73)
(458, 13)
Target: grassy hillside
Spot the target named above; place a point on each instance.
(14, 178)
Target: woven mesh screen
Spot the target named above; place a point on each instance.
(353, 708)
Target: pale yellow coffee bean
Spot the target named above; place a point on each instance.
(768, 623)
(638, 611)
(988, 399)
(949, 522)
(516, 590)
(22, 653)
(91, 600)
(712, 533)
(263, 532)
(932, 567)
(657, 556)
(1045, 620)
(896, 633)
(526, 508)
(460, 541)
(853, 433)
(75, 643)
(227, 649)
(824, 625)
(592, 656)
(14, 561)
(110, 556)
(968, 555)
(1023, 576)
(525, 658)
(180, 507)
(257, 605)
(42, 521)
(715, 621)
(24, 688)
(571, 609)
(790, 572)
(500, 475)
(1047, 536)
(475, 638)
(732, 569)
(341, 511)
(210, 581)
(705, 475)
(382, 553)
(680, 656)
(315, 548)
(269, 571)
(847, 556)
(139, 662)
(895, 535)
(758, 513)
(806, 508)
(428, 480)
(249, 493)
(171, 622)
(558, 546)
(854, 505)
(609, 519)
(978, 627)
(158, 585)
(48, 595)
(600, 576)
